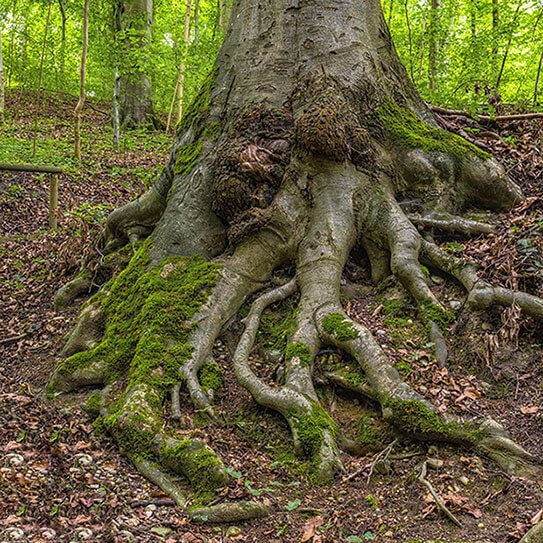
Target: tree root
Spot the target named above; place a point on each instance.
(220, 513)
(452, 223)
(67, 294)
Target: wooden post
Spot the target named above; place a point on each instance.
(53, 185)
(53, 202)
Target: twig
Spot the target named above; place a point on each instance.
(381, 457)
(159, 503)
(437, 499)
(486, 118)
(11, 339)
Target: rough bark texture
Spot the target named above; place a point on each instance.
(307, 139)
(133, 19)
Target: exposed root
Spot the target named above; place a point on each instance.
(67, 294)
(87, 332)
(244, 273)
(481, 295)
(407, 410)
(224, 512)
(452, 223)
(312, 429)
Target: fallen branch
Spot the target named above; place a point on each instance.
(486, 118)
(435, 496)
(11, 339)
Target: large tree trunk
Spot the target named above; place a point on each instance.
(133, 19)
(304, 141)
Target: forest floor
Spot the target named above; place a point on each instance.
(59, 481)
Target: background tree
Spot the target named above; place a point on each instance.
(307, 139)
(133, 19)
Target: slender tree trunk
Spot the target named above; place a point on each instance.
(538, 79)
(83, 72)
(302, 143)
(40, 79)
(508, 46)
(433, 45)
(179, 90)
(2, 83)
(133, 22)
(62, 9)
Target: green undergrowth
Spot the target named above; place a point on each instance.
(410, 131)
(368, 432)
(335, 324)
(400, 323)
(299, 350)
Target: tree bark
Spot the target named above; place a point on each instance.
(302, 143)
(133, 19)
(2, 83)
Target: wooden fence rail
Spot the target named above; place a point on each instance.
(53, 184)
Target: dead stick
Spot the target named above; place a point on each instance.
(486, 118)
(437, 499)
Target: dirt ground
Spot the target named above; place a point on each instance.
(60, 481)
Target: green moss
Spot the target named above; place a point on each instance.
(310, 428)
(200, 105)
(368, 434)
(335, 324)
(94, 403)
(401, 326)
(147, 311)
(198, 462)
(211, 377)
(300, 351)
(415, 417)
(278, 326)
(410, 131)
(197, 118)
(431, 312)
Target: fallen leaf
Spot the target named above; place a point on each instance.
(310, 528)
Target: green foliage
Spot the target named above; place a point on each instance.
(158, 54)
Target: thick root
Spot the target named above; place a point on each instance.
(312, 429)
(67, 294)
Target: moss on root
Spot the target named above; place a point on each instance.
(335, 324)
(300, 351)
(148, 311)
(416, 418)
(198, 463)
(211, 377)
(431, 312)
(410, 131)
(310, 427)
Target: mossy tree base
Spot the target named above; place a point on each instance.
(271, 167)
